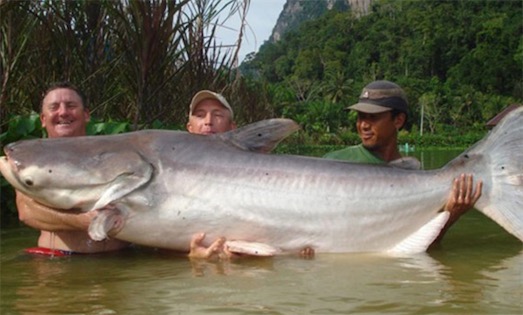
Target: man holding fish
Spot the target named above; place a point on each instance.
(382, 111)
(63, 113)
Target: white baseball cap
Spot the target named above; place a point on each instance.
(206, 94)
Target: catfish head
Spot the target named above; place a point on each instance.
(75, 173)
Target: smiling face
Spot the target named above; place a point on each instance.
(209, 117)
(63, 114)
(379, 131)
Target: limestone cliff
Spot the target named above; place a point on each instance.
(296, 11)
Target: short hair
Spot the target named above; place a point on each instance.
(64, 85)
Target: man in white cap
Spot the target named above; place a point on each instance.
(382, 111)
(210, 113)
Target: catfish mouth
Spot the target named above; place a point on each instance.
(14, 165)
(7, 170)
(10, 170)
(6, 165)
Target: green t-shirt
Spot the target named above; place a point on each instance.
(358, 154)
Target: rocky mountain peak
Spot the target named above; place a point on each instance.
(296, 11)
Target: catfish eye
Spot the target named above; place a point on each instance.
(29, 182)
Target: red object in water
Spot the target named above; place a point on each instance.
(48, 252)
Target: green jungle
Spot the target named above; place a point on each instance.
(140, 62)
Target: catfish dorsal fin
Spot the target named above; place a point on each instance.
(262, 136)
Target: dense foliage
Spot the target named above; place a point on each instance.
(461, 62)
(140, 61)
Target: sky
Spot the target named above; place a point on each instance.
(261, 19)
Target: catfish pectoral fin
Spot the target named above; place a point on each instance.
(108, 219)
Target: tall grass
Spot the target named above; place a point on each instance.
(136, 60)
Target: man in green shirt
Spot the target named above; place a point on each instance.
(382, 111)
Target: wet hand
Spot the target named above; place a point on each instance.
(463, 196)
(307, 253)
(215, 250)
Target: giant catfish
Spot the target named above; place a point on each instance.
(165, 186)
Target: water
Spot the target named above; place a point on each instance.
(477, 270)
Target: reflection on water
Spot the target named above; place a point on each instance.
(479, 274)
(477, 270)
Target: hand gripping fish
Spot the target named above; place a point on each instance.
(165, 186)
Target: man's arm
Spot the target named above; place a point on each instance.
(462, 198)
(42, 217)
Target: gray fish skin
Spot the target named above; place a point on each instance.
(166, 186)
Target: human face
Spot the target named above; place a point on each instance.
(379, 131)
(209, 117)
(63, 114)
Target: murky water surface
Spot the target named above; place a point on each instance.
(477, 270)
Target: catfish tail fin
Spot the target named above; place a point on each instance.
(502, 196)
